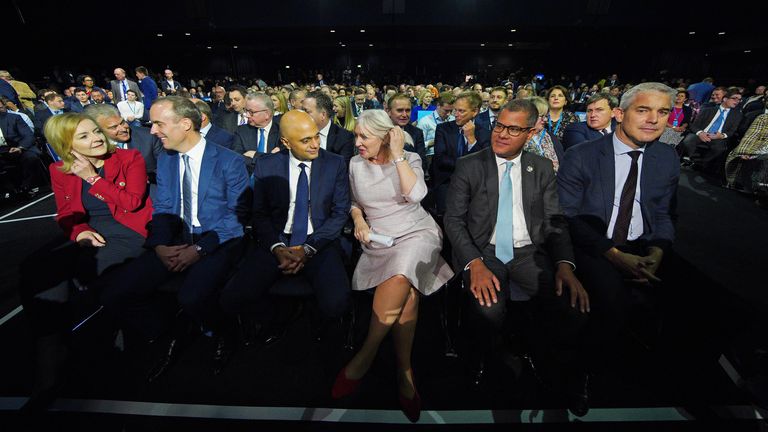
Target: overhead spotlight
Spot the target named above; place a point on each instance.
(235, 47)
(159, 35)
(490, 65)
(721, 33)
(362, 30)
(333, 31)
(287, 67)
(342, 45)
(509, 45)
(513, 30)
(359, 66)
(482, 44)
(209, 47)
(187, 34)
(691, 33)
(747, 51)
(370, 45)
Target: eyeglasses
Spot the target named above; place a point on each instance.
(250, 113)
(513, 131)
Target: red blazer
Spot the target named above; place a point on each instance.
(124, 189)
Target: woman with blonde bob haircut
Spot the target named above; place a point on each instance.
(342, 108)
(387, 186)
(103, 209)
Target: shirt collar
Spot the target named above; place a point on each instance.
(501, 161)
(620, 148)
(204, 130)
(324, 131)
(196, 152)
(295, 162)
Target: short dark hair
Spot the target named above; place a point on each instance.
(80, 89)
(131, 91)
(323, 102)
(562, 89)
(141, 70)
(446, 97)
(597, 97)
(730, 91)
(51, 96)
(183, 108)
(525, 106)
(472, 98)
(238, 88)
(360, 90)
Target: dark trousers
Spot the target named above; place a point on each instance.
(248, 291)
(611, 301)
(710, 155)
(131, 293)
(554, 326)
(32, 167)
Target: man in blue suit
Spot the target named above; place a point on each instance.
(195, 233)
(17, 147)
(293, 234)
(600, 121)
(148, 87)
(496, 100)
(616, 193)
(210, 131)
(455, 139)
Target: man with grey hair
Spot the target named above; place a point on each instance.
(126, 136)
(616, 192)
(261, 135)
(195, 236)
(121, 85)
(26, 96)
(295, 98)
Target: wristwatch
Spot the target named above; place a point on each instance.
(199, 250)
(309, 251)
(400, 159)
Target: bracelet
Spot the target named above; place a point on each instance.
(92, 180)
(400, 159)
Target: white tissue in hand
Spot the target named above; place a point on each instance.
(381, 239)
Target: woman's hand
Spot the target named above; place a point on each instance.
(82, 167)
(90, 239)
(396, 142)
(362, 232)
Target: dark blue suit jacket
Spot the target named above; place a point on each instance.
(586, 183)
(580, 132)
(446, 143)
(148, 88)
(328, 189)
(223, 178)
(7, 90)
(483, 120)
(16, 132)
(221, 136)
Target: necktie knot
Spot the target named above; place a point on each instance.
(302, 166)
(634, 155)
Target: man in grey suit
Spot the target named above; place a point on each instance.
(121, 84)
(504, 222)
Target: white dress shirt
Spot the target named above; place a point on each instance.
(324, 136)
(2, 139)
(266, 128)
(720, 109)
(293, 179)
(520, 228)
(195, 163)
(204, 130)
(623, 162)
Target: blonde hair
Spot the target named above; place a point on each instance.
(378, 123)
(282, 106)
(541, 104)
(59, 132)
(423, 93)
(349, 118)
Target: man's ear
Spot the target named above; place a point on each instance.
(285, 142)
(618, 114)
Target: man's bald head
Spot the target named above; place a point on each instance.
(300, 135)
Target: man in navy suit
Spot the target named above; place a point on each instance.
(17, 146)
(261, 135)
(210, 131)
(399, 110)
(600, 121)
(333, 138)
(496, 100)
(196, 236)
(148, 87)
(54, 105)
(293, 234)
(360, 103)
(455, 139)
(616, 193)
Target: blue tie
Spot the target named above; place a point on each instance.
(301, 209)
(186, 190)
(718, 122)
(505, 248)
(262, 143)
(125, 91)
(461, 149)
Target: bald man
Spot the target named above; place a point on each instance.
(293, 235)
(121, 84)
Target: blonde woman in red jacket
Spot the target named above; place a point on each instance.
(103, 208)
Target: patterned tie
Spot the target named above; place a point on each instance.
(262, 143)
(241, 119)
(604, 131)
(626, 202)
(125, 90)
(505, 241)
(186, 191)
(715, 128)
(301, 209)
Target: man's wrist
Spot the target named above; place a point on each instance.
(274, 247)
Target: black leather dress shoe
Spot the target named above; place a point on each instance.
(477, 375)
(579, 393)
(270, 334)
(221, 354)
(166, 360)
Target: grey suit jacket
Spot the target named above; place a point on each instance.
(473, 200)
(117, 91)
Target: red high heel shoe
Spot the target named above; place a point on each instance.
(344, 386)
(411, 407)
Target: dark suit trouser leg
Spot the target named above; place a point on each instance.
(248, 290)
(688, 145)
(32, 167)
(329, 280)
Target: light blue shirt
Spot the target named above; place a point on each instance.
(428, 124)
(24, 117)
(623, 162)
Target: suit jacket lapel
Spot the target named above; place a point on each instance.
(314, 182)
(646, 176)
(175, 184)
(206, 174)
(491, 184)
(528, 184)
(330, 139)
(607, 174)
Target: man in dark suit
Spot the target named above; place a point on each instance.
(333, 138)
(712, 130)
(295, 235)
(229, 120)
(508, 234)
(120, 85)
(496, 100)
(360, 103)
(399, 110)
(195, 234)
(455, 139)
(217, 101)
(749, 118)
(17, 146)
(148, 87)
(54, 105)
(170, 86)
(261, 135)
(616, 193)
(600, 121)
(121, 134)
(210, 131)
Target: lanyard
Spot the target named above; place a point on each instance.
(678, 116)
(538, 142)
(557, 125)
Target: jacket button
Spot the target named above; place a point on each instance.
(121, 184)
